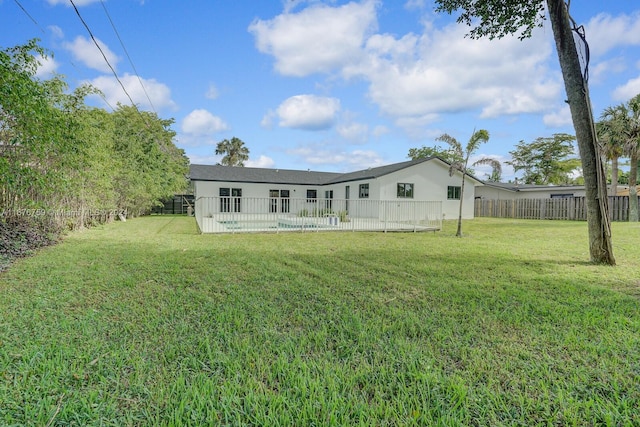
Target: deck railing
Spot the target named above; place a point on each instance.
(246, 214)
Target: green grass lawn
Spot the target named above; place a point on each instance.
(149, 323)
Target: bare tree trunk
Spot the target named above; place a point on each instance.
(633, 189)
(459, 230)
(600, 247)
(614, 175)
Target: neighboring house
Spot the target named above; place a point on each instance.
(418, 180)
(513, 191)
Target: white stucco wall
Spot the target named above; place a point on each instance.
(430, 180)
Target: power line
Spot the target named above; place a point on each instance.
(37, 24)
(127, 54)
(30, 17)
(103, 55)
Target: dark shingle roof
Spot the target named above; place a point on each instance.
(292, 177)
(375, 172)
(258, 175)
(512, 186)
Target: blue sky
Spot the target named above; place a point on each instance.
(326, 85)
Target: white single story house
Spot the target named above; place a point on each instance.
(415, 180)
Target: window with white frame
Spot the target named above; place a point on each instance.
(229, 195)
(279, 199)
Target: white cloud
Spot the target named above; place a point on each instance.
(267, 120)
(361, 159)
(605, 32)
(602, 70)
(212, 92)
(196, 159)
(47, 67)
(159, 93)
(415, 77)
(380, 130)
(559, 118)
(262, 162)
(56, 31)
(345, 161)
(416, 126)
(415, 5)
(202, 122)
(355, 132)
(317, 39)
(442, 71)
(85, 51)
(627, 91)
(308, 112)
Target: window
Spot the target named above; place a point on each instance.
(562, 196)
(274, 196)
(236, 194)
(405, 191)
(453, 192)
(328, 199)
(312, 196)
(225, 201)
(347, 191)
(227, 195)
(364, 191)
(284, 201)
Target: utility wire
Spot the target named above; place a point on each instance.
(30, 17)
(127, 54)
(37, 24)
(103, 55)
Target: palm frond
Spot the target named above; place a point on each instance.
(495, 164)
(479, 137)
(453, 143)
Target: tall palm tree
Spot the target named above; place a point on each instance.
(478, 137)
(235, 152)
(624, 126)
(610, 148)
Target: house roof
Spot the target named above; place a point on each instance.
(258, 175)
(293, 177)
(511, 186)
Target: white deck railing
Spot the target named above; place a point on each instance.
(245, 214)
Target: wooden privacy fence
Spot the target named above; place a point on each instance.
(568, 208)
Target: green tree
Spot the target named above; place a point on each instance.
(30, 127)
(151, 167)
(545, 160)
(497, 18)
(478, 137)
(622, 128)
(424, 152)
(610, 146)
(58, 154)
(235, 152)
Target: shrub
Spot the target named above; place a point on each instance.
(19, 235)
